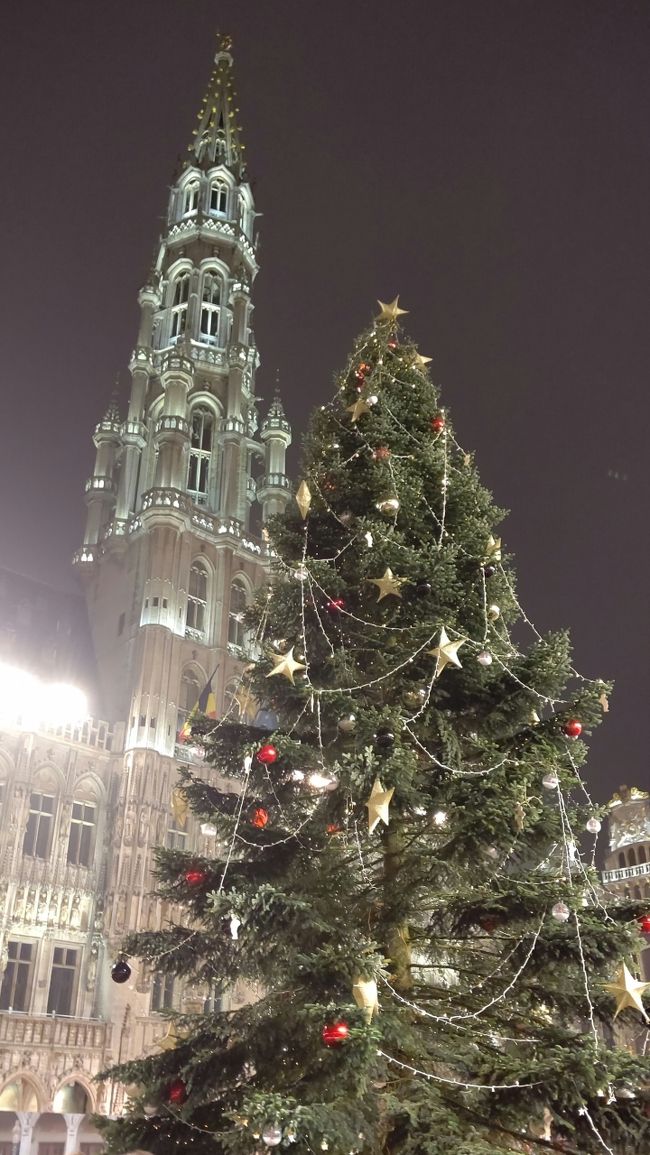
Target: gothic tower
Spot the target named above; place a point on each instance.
(173, 550)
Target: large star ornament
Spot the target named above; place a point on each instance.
(286, 665)
(391, 311)
(422, 361)
(493, 549)
(378, 804)
(627, 991)
(387, 585)
(357, 410)
(446, 653)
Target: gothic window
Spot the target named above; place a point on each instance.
(641, 854)
(188, 697)
(631, 858)
(243, 216)
(210, 309)
(14, 995)
(197, 599)
(191, 198)
(82, 834)
(200, 452)
(218, 199)
(180, 298)
(62, 981)
(162, 992)
(38, 835)
(236, 631)
(176, 838)
(621, 859)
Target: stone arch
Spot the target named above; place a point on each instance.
(71, 1102)
(24, 1089)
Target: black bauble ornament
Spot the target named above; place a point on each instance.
(120, 971)
(422, 588)
(384, 739)
(489, 570)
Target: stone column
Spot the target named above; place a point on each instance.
(26, 1122)
(72, 1123)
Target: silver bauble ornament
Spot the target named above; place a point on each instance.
(348, 723)
(493, 612)
(272, 1135)
(561, 912)
(484, 658)
(550, 781)
(593, 825)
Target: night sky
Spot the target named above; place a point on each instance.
(489, 160)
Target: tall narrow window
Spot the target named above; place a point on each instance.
(82, 834)
(176, 838)
(162, 992)
(210, 303)
(180, 300)
(188, 697)
(62, 981)
(197, 600)
(218, 199)
(191, 198)
(38, 835)
(14, 995)
(236, 631)
(200, 451)
(243, 216)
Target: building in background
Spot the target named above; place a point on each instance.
(172, 552)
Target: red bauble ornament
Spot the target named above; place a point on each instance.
(335, 605)
(333, 828)
(333, 1034)
(438, 423)
(195, 876)
(259, 817)
(381, 453)
(393, 343)
(572, 728)
(644, 924)
(362, 369)
(488, 923)
(267, 754)
(177, 1092)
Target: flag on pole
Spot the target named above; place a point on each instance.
(206, 705)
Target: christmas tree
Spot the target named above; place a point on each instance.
(399, 878)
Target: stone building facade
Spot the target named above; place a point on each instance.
(172, 551)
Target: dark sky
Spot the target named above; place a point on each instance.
(487, 159)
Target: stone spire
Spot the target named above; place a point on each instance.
(217, 139)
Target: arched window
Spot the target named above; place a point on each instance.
(187, 698)
(180, 298)
(210, 309)
(197, 602)
(621, 859)
(218, 199)
(238, 598)
(191, 198)
(631, 858)
(642, 854)
(200, 451)
(81, 839)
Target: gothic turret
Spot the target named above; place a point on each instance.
(273, 488)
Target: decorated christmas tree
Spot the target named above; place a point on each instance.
(403, 881)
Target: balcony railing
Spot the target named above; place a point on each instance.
(623, 872)
(67, 1033)
(273, 481)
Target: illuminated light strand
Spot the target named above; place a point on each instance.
(444, 486)
(583, 1111)
(585, 978)
(457, 1082)
(453, 770)
(506, 991)
(382, 677)
(451, 1022)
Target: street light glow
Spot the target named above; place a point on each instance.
(27, 703)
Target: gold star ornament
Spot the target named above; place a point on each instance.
(446, 653)
(387, 585)
(303, 499)
(364, 992)
(627, 991)
(378, 804)
(391, 311)
(421, 361)
(357, 410)
(493, 549)
(286, 665)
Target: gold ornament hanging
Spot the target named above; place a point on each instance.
(421, 361)
(357, 410)
(303, 499)
(604, 702)
(388, 585)
(286, 665)
(446, 653)
(364, 992)
(628, 992)
(378, 804)
(391, 311)
(493, 549)
(179, 805)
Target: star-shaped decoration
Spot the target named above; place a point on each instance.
(421, 361)
(391, 311)
(446, 652)
(170, 1040)
(378, 804)
(493, 549)
(627, 991)
(303, 499)
(387, 585)
(286, 665)
(357, 410)
(364, 992)
(604, 702)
